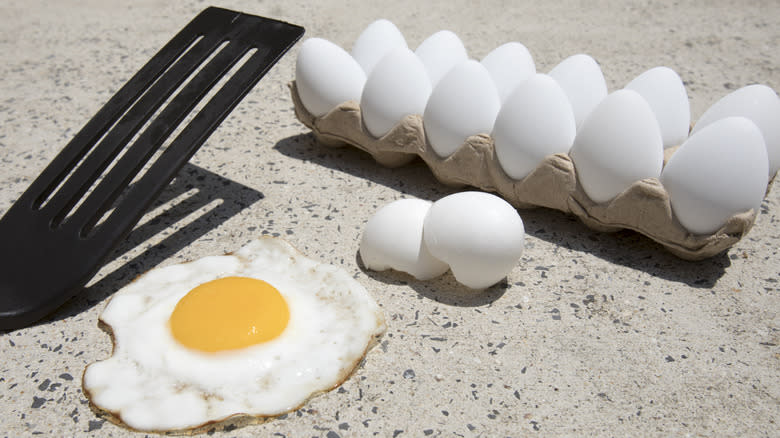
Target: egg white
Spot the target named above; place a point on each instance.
(151, 382)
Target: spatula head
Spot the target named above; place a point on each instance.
(98, 187)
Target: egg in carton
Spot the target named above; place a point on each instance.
(347, 102)
(643, 207)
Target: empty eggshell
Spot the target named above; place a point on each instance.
(758, 103)
(479, 235)
(375, 42)
(581, 78)
(393, 239)
(619, 143)
(535, 121)
(663, 89)
(464, 103)
(509, 64)
(398, 85)
(326, 75)
(441, 52)
(721, 170)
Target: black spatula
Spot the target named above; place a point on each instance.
(72, 215)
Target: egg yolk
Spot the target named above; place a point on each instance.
(229, 313)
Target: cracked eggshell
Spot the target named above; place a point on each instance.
(479, 235)
(326, 75)
(663, 89)
(398, 86)
(581, 78)
(618, 144)
(535, 121)
(393, 239)
(464, 103)
(720, 171)
(758, 103)
(378, 38)
(509, 65)
(441, 52)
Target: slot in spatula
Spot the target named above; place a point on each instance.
(72, 216)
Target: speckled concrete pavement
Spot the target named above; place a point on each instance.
(591, 334)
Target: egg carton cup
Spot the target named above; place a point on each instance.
(643, 207)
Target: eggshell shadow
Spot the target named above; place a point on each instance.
(443, 289)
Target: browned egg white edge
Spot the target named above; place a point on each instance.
(239, 419)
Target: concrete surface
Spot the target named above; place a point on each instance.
(591, 334)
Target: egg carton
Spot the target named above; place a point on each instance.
(643, 207)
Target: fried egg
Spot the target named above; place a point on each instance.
(256, 333)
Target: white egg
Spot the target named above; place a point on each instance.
(185, 338)
(441, 52)
(326, 75)
(479, 235)
(464, 103)
(721, 170)
(663, 89)
(393, 239)
(535, 121)
(758, 103)
(618, 144)
(375, 42)
(509, 64)
(398, 86)
(581, 78)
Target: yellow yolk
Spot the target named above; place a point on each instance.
(229, 313)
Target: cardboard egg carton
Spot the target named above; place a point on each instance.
(643, 207)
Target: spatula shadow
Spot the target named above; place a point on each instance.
(201, 188)
(625, 248)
